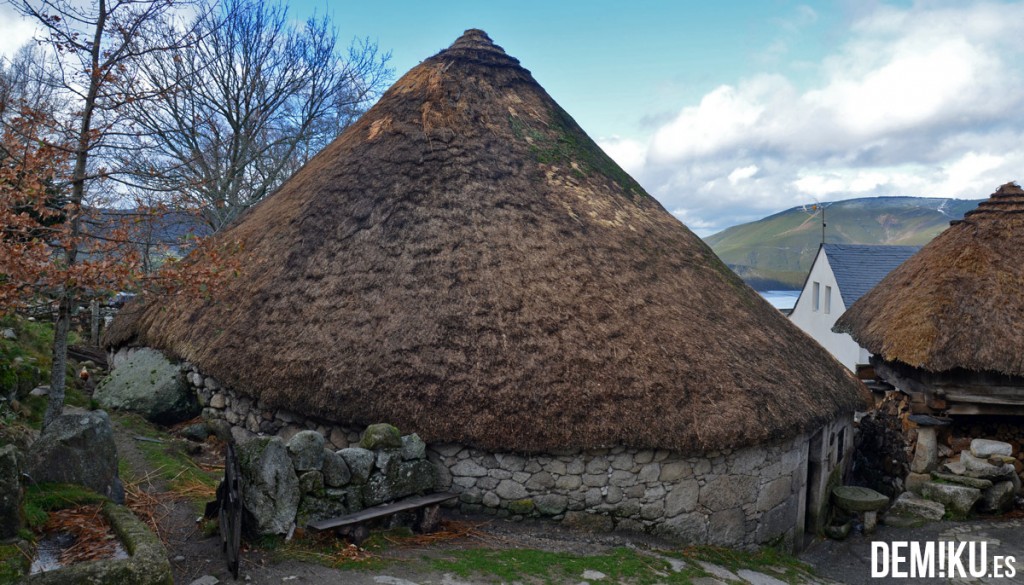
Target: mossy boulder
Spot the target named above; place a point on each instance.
(521, 507)
(148, 383)
(314, 509)
(381, 436)
(78, 449)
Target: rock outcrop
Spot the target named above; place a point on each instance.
(78, 449)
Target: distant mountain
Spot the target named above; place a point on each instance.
(776, 252)
(174, 230)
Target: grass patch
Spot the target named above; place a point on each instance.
(13, 563)
(42, 498)
(169, 461)
(768, 560)
(621, 565)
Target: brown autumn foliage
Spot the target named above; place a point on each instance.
(35, 226)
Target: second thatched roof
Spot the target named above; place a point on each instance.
(466, 263)
(959, 302)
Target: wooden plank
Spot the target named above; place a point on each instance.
(384, 510)
(982, 409)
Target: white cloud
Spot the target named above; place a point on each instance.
(964, 174)
(630, 154)
(15, 31)
(920, 101)
(741, 173)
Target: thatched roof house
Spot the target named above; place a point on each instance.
(959, 302)
(954, 308)
(466, 263)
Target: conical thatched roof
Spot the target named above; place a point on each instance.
(959, 302)
(466, 263)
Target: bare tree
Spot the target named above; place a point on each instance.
(28, 80)
(248, 104)
(96, 45)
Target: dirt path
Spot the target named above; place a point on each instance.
(192, 554)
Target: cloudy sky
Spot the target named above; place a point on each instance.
(729, 111)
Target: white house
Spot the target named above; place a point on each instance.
(841, 274)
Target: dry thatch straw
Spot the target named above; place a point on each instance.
(959, 302)
(466, 263)
(94, 538)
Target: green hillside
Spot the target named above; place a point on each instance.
(776, 252)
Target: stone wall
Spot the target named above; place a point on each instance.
(304, 481)
(736, 497)
(729, 497)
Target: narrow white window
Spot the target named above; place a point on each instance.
(828, 300)
(816, 299)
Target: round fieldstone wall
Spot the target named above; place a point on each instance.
(741, 497)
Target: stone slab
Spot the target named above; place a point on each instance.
(985, 448)
(958, 499)
(858, 499)
(756, 578)
(974, 482)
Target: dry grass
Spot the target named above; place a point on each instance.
(94, 538)
(449, 531)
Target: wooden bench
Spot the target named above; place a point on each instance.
(352, 526)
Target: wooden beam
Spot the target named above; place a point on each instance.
(383, 510)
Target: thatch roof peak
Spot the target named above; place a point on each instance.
(466, 263)
(958, 302)
(476, 45)
(475, 39)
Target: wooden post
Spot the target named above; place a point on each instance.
(94, 329)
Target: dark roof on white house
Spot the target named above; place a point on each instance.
(859, 267)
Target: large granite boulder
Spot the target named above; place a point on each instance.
(270, 487)
(149, 384)
(78, 449)
(10, 493)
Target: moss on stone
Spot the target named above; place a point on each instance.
(521, 507)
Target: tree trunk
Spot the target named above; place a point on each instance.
(66, 296)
